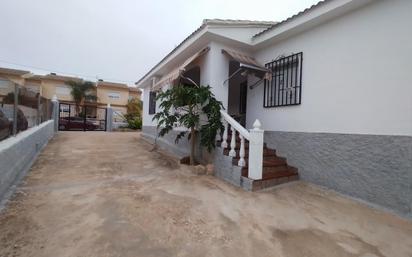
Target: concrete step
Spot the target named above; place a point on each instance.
(275, 171)
(270, 170)
(266, 152)
(268, 160)
(269, 181)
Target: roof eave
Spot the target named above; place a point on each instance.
(13, 72)
(186, 42)
(321, 12)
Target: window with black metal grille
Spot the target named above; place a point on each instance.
(285, 86)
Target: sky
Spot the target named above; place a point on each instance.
(114, 40)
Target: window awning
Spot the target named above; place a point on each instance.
(248, 63)
(175, 74)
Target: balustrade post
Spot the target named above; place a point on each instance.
(241, 161)
(232, 152)
(256, 151)
(224, 142)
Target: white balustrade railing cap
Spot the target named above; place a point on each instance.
(239, 128)
(257, 125)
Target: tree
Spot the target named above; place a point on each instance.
(81, 92)
(186, 106)
(134, 113)
(134, 108)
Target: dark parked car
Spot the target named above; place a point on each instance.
(76, 123)
(6, 123)
(22, 123)
(4, 126)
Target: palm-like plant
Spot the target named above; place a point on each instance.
(134, 113)
(134, 107)
(81, 92)
(195, 108)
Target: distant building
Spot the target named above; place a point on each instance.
(47, 86)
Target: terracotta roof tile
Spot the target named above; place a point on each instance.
(238, 22)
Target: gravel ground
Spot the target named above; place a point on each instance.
(98, 194)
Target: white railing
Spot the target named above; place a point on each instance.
(255, 138)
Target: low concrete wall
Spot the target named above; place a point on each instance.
(18, 153)
(117, 125)
(225, 170)
(376, 169)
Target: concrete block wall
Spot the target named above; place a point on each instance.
(18, 153)
(225, 170)
(374, 168)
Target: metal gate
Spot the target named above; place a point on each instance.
(82, 117)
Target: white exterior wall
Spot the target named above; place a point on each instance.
(147, 118)
(214, 70)
(216, 66)
(357, 75)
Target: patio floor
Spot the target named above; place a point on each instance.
(98, 194)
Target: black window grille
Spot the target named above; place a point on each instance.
(285, 87)
(152, 103)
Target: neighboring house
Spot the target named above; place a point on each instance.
(56, 85)
(8, 78)
(34, 85)
(134, 93)
(52, 84)
(29, 89)
(118, 96)
(331, 87)
(115, 94)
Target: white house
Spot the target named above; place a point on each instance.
(331, 87)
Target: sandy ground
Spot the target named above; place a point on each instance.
(97, 194)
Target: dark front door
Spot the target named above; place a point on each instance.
(82, 118)
(243, 103)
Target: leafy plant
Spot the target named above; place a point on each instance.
(192, 107)
(81, 92)
(135, 123)
(134, 114)
(134, 108)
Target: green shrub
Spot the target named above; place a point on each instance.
(135, 123)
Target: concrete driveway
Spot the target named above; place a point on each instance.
(98, 194)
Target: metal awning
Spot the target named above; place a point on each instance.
(249, 65)
(246, 62)
(175, 74)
